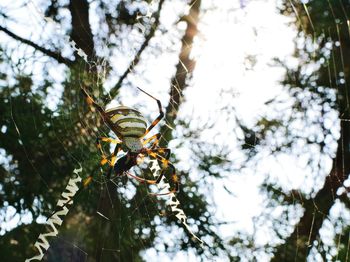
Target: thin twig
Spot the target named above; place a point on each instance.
(57, 56)
(113, 92)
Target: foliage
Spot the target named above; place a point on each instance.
(43, 146)
(318, 83)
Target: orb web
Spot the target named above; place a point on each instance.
(301, 125)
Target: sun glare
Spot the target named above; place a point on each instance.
(236, 51)
(235, 67)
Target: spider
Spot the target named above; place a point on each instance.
(130, 127)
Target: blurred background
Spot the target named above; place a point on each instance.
(257, 116)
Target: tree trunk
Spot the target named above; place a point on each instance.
(298, 245)
(81, 29)
(184, 70)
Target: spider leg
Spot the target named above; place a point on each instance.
(165, 152)
(124, 163)
(142, 180)
(154, 143)
(92, 102)
(154, 146)
(160, 116)
(154, 153)
(105, 158)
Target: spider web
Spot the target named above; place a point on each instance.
(264, 139)
(67, 248)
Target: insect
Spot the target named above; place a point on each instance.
(130, 127)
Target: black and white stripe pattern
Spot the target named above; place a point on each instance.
(129, 122)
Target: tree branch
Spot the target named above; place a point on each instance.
(184, 70)
(113, 92)
(81, 30)
(298, 245)
(57, 56)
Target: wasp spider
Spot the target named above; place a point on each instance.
(130, 127)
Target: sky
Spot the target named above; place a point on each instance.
(234, 52)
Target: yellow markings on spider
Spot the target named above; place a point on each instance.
(87, 181)
(103, 161)
(110, 140)
(154, 123)
(152, 154)
(113, 159)
(89, 100)
(154, 137)
(175, 178)
(165, 163)
(161, 150)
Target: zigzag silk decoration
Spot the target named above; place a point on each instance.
(56, 220)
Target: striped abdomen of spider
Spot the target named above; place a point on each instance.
(130, 127)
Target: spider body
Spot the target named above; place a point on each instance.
(130, 126)
(125, 163)
(128, 121)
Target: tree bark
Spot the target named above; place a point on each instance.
(81, 29)
(184, 70)
(298, 245)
